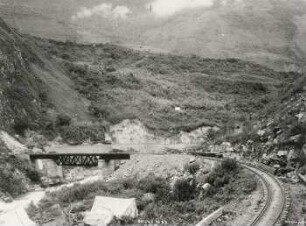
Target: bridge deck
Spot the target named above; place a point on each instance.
(107, 156)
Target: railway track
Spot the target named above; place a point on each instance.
(274, 207)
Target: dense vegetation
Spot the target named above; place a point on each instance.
(15, 175)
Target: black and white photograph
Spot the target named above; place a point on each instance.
(153, 112)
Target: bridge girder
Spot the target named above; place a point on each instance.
(79, 159)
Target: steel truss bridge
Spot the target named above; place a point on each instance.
(79, 159)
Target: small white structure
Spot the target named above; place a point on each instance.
(177, 108)
(16, 217)
(105, 209)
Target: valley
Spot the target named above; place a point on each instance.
(140, 113)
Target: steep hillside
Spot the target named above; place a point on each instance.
(42, 78)
(31, 86)
(277, 137)
(268, 32)
(167, 93)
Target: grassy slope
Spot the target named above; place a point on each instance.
(122, 83)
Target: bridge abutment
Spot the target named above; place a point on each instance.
(52, 173)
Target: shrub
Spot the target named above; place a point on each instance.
(62, 120)
(23, 166)
(159, 186)
(249, 186)
(21, 125)
(11, 180)
(80, 133)
(303, 170)
(192, 168)
(184, 190)
(229, 164)
(110, 69)
(14, 174)
(223, 173)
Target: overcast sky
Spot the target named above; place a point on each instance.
(164, 8)
(159, 8)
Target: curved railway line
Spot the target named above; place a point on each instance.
(274, 207)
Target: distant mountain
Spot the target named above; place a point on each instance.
(269, 32)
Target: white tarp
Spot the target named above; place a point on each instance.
(99, 217)
(17, 217)
(110, 207)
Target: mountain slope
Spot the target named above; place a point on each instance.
(167, 93)
(41, 78)
(31, 86)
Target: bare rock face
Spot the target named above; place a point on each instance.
(11, 143)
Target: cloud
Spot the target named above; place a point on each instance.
(165, 8)
(121, 11)
(104, 9)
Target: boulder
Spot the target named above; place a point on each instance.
(206, 186)
(276, 166)
(282, 153)
(301, 117)
(295, 138)
(290, 174)
(275, 141)
(201, 178)
(295, 180)
(205, 171)
(260, 132)
(192, 159)
(173, 181)
(227, 146)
